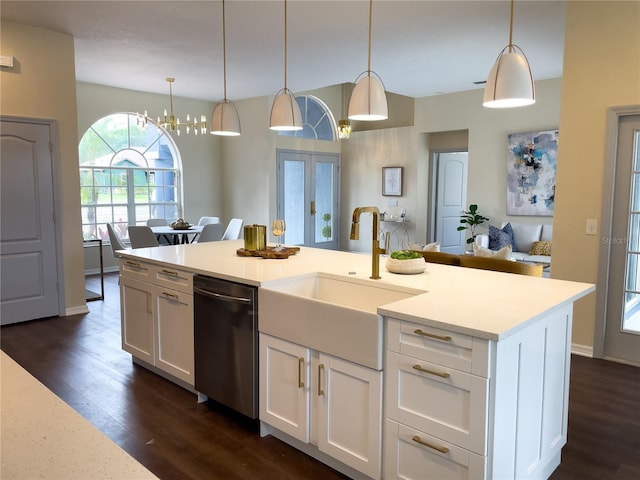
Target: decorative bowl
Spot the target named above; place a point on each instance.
(180, 224)
(409, 266)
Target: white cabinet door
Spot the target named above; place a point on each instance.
(174, 332)
(136, 315)
(284, 386)
(350, 413)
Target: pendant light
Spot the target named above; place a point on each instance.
(510, 83)
(225, 120)
(285, 112)
(368, 99)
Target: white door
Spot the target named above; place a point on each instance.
(622, 331)
(308, 192)
(28, 233)
(451, 198)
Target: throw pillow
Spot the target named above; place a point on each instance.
(504, 253)
(500, 237)
(541, 248)
(429, 247)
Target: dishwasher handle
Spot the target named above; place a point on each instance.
(222, 297)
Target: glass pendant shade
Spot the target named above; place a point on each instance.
(285, 112)
(510, 82)
(368, 100)
(225, 120)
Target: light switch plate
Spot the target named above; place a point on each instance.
(392, 203)
(592, 226)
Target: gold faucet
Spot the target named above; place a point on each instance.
(375, 247)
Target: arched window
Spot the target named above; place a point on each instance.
(317, 120)
(128, 174)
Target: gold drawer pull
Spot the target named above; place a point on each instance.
(445, 338)
(132, 264)
(170, 295)
(417, 439)
(432, 372)
(320, 370)
(169, 272)
(300, 367)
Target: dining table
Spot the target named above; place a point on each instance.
(177, 235)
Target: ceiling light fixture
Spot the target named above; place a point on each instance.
(368, 99)
(510, 83)
(344, 129)
(225, 120)
(173, 124)
(285, 112)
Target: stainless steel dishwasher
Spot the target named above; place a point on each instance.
(226, 343)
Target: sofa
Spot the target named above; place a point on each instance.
(530, 242)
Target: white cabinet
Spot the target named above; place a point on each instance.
(463, 407)
(320, 399)
(157, 317)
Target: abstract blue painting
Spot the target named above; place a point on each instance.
(531, 173)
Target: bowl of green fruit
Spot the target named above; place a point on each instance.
(406, 262)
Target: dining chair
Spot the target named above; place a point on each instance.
(160, 222)
(211, 232)
(157, 222)
(233, 229)
(207, 220)
(142, 236)
(116, 243)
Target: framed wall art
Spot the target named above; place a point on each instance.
(392, 181)
(531, 173)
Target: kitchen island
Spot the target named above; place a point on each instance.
(473, 372)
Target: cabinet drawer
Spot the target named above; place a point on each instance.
(413, 455)
(173, 278)
(450, 349)
(437, 400)
(135, 269)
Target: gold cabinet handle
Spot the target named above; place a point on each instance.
(170, 295)
(431, 372)
(132, 264)
(441, 449)
(169, 272)
(320, 390)
(444, 338)
(300, 368)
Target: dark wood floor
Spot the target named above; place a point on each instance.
(161, 425)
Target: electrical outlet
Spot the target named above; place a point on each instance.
(592, 226)
(393, 203)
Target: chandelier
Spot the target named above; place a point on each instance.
(171, 122)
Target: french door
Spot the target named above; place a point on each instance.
(308, 185)
(621, 239)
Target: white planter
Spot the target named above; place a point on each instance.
(411, 266)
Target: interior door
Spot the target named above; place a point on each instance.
(308, 193)
(27, 230)
(450, 177)
(622, 331)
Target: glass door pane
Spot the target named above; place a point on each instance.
(294, 202)
(631, 318)
(324, 208)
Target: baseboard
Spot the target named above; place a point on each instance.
(78, 310)
(582, 350)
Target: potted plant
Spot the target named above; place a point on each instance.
(326, 230)
(470, 220)
(406, 261)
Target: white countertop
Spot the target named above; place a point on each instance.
(490, 305)
(42, 437)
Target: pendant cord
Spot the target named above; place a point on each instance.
(369, 50)
(285, 45)
(224, 51)
(511, 29)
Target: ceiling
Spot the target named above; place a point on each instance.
(419, 47)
